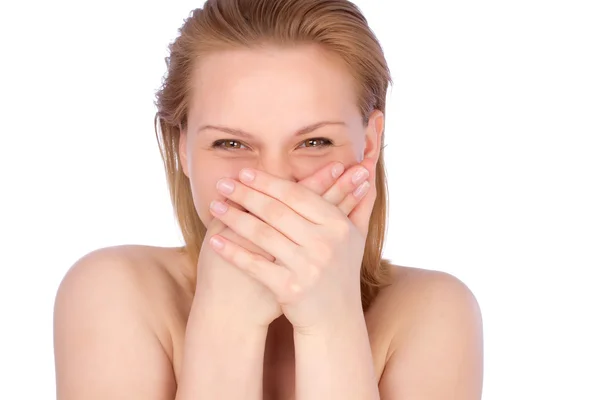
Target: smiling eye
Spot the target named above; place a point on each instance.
(227, 144)
(231, 145)
(318, 142)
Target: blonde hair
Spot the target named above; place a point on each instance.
(339, 27)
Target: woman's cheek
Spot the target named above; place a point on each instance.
(202, 194)
(308, 166)
(204, 184)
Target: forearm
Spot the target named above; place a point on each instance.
(222, 358)
(336, 363)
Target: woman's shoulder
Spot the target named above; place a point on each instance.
(413, 290)
(142, 269)
(145, 283)
(420, 300)
(410, 284)
(432, 320)
(111, 320)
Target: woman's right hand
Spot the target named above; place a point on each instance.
(225, 292)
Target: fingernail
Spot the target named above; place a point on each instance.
(217, 242)
(361, 190)
(247, 175)
(360, 175)
(225, 186)
(218, 207)
(337, 170)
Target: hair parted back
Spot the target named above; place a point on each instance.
(337, 26)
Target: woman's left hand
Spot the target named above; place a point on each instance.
(318, 250)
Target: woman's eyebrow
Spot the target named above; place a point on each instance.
(241, 133)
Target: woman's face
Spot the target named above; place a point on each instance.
(287, 111)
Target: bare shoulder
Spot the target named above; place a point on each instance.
(414, 290)
(435, 325)
(110, 335)
(146, 277)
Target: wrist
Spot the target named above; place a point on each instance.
(331, 355)
(222, 356)
(214, 314)
(351, 320)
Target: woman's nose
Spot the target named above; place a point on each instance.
(276, 166)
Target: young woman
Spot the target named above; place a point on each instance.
(270, 122)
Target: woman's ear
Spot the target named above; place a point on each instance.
(183, 159)
(373, 135)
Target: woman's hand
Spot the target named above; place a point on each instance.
(225, 294)
(318, 249)
(231, 293)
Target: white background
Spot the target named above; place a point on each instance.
(493, 151)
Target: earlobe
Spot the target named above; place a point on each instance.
(374, 134)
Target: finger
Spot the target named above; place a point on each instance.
(347, 184)
(216, 226)
(327, 182)
(354, 198)
(323, 179)
(355, 186)
(272, 211)
(275, 277)
(233, 236)
(258, 232)
(360, 216)
(296, 197)
(339, 192)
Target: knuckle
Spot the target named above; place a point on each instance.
(322, 249)
(293, 195)
(240, 257)
(262, 232)
(340, 230)
(297, 289)
(253, 264)
(327, 256)
(294, 292)
(313, 273)
(274, 211)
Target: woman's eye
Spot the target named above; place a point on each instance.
(227, 144)
(317, 142)
(230, 144)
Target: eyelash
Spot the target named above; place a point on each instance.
(218, 144)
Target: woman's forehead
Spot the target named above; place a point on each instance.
(295, 86)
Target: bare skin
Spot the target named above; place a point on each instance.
(149, 278)
(122, 313)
